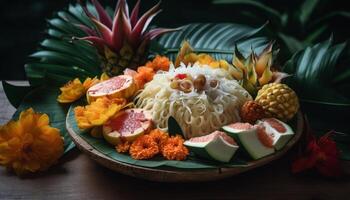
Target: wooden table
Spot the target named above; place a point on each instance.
(78, 177)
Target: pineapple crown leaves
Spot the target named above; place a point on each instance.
(122, 28)
(256, 68)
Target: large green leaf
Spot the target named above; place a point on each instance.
(313, 72)
(218, 40)
(102, 146)
(319, 78)
(60, 57)
(43, 100)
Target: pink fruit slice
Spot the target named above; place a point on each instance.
(213, 136)
(122, 86)
(276, 125)
(241, 126)
(265, 138)
(128, 124)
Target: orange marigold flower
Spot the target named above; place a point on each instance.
(123, 147)
(144, 147)
(160, 63)
(98, 112)
(29, 144)
(159, 136)
(144, 75)
(174, 149)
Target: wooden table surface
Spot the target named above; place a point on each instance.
(78, 177)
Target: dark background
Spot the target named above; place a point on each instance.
(23, 22)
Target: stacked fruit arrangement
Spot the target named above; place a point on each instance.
(207, 98)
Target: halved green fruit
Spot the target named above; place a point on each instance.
(216, 146)
(246, 135)
(279, 131)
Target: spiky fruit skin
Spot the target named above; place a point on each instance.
(251, 111)
(278, 100)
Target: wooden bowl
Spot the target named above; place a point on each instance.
(174, 174)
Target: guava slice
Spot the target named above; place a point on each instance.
(127, 125)
(215, 146)
(247, 136)
(279, 132)
(122, 86)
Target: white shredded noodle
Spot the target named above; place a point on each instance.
(198, 113)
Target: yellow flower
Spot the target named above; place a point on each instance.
(73, 90)
(29, 144)
(98, 112)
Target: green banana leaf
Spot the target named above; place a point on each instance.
(102, 146)
(43, 100)
(218, 40)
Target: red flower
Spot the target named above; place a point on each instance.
(322, 155)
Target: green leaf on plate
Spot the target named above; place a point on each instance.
(173, 127)
(43, 100)
(218, 40)
(15, 94)
(102, 146)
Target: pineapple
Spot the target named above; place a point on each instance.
(278, 100)
(121, 41)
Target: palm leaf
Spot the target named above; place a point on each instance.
(218, 40)
(59, 57)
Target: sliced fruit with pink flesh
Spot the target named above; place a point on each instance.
(127, 125)
(279, 132)
(248, 138)
(122, 86)
(216, 146)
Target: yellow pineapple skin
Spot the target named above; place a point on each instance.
(278, 100)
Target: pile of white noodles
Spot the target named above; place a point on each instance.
(198, 113)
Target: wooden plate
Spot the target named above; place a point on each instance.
(177, 175)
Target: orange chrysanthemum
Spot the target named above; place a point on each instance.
(145, 73)
(73, 90)
(123, 147)
(144, 147)
(159, 63)
(98, 112)
(29, 144)
(159, 137)
(174, 149)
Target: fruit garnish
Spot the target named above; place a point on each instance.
(278, 100)
(181, 76)
(122, 86)
(251, 111)
(127, 125)
(121, 40)
(199, 82)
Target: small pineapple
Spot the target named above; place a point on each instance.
(251, 111)
(122, 39)
(278, 100)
